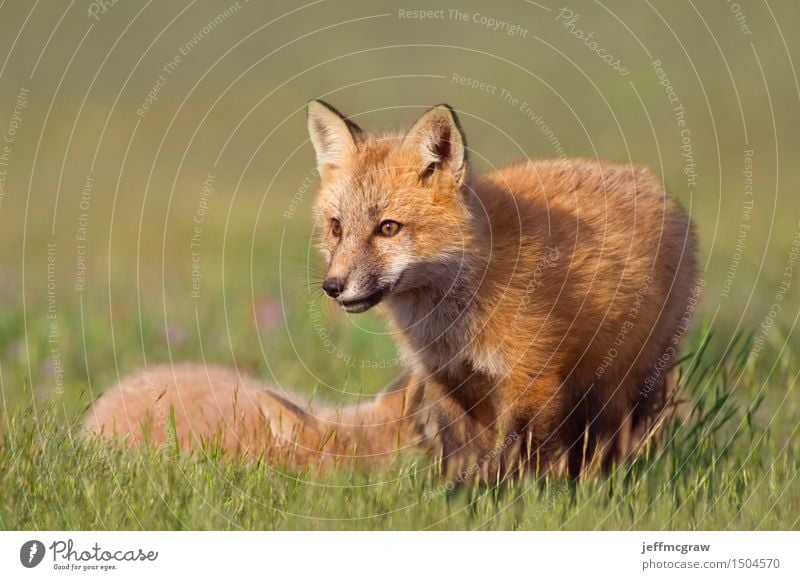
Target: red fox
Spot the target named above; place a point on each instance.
(538, 307)
(193, 406)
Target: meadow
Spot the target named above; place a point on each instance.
(155, 193)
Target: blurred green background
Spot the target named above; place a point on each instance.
(103, 190)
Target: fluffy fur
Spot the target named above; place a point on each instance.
(537, 309)
(207, 406)
(539, 300)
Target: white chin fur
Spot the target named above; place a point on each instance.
(349, 294)
(356, 308)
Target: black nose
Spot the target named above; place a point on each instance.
(333, 286)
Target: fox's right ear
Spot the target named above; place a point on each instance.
(333, 135)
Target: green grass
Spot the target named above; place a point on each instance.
(730, 464)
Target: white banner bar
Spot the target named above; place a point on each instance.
(388, 555)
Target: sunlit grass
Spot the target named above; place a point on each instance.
(728, 464)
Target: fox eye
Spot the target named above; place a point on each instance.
(389, 228)
(336, 228)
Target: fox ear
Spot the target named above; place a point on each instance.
(438, 141)
(332, 134)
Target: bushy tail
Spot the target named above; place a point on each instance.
(198, 407)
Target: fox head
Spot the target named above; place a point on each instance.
(392, 212)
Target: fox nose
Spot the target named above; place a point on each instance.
(333, 286)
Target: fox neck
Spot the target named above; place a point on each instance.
(436, 318)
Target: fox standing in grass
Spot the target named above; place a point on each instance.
(538, 304)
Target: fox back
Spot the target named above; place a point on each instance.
(546, 299)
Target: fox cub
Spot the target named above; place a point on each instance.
(537, 308)
(191, 406)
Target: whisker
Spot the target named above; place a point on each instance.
(313, 278)
(310, 290)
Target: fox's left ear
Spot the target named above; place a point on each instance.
(438, 142)
(333, 135)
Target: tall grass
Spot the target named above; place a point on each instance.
(721, 466)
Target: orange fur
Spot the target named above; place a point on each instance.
(510, 292)
(540, 305)
(208, 406)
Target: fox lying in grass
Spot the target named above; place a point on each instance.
(218, 407)
(541, 305)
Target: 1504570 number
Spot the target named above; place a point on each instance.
(764, 563)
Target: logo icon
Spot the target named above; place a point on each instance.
(31, 553)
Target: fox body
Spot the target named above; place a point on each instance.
(537, 308)
(193, 406)
(537, 301)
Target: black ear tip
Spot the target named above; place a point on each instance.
(447, 108)
(453, 115)
(451, 111)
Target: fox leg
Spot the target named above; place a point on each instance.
(457, 433)
(609, 419)
(511, 433)
(462, 437)
(532, 411)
